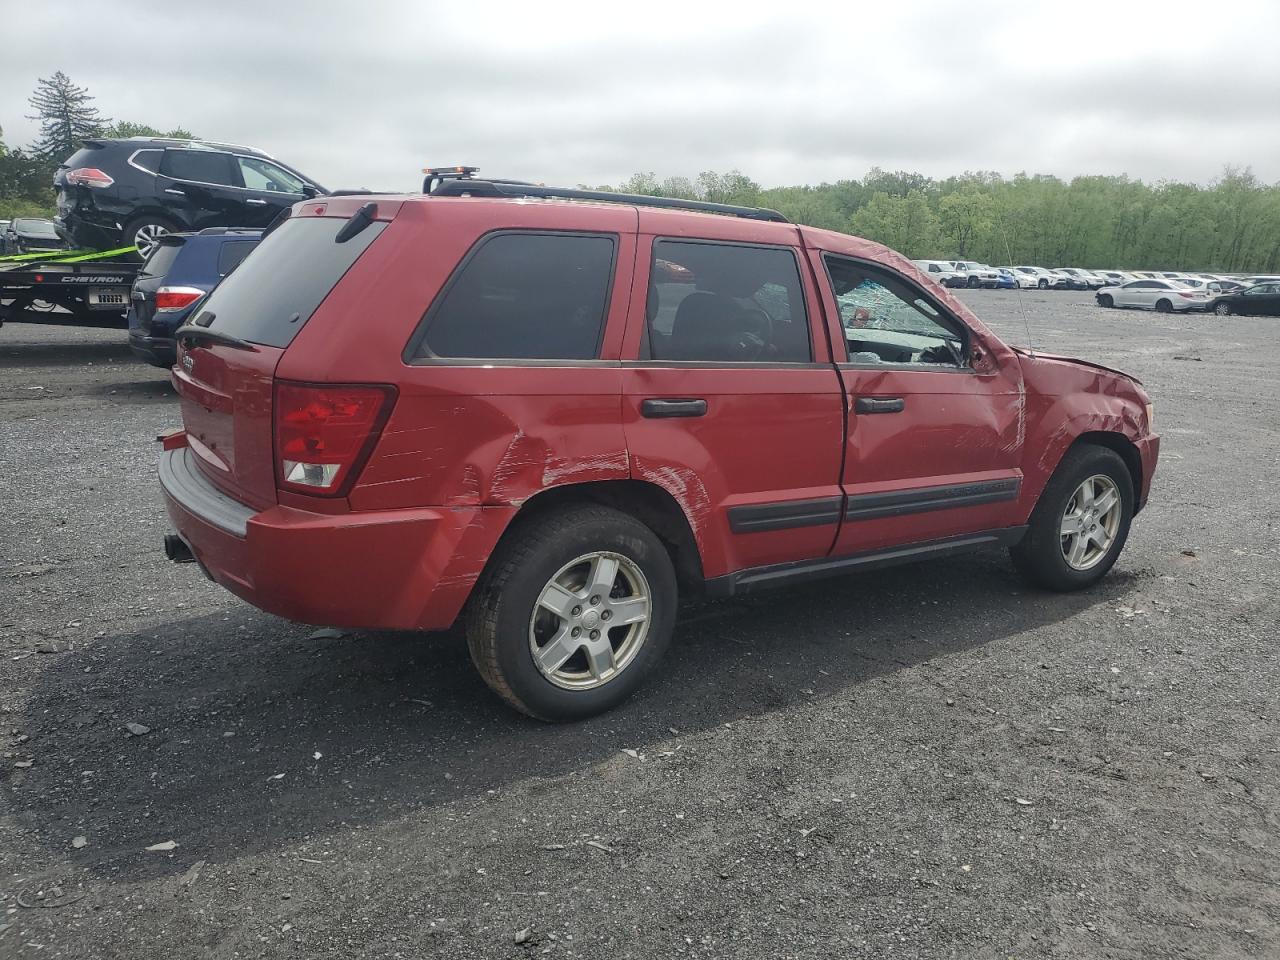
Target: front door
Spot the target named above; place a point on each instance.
(730, 401)
(268, 190)
(935, 412)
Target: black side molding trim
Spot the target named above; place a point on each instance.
(784, 574)
(780, 516)
(870, 506)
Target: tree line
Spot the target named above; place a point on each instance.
(1232, 224)
(67, 117)
(1111, 222)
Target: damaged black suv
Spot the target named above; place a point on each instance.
(122, 193)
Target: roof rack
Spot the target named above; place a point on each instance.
(457, 182)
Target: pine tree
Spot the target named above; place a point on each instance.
(66, 114)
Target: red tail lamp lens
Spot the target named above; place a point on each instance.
(325, 433)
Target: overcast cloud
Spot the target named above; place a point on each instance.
(364, 94)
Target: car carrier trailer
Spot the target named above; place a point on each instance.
(82, 289)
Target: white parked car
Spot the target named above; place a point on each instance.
(1115, 277)
(1044, 279)
(976, 274)
(942, 271)
(1025, 280)
(1163, 296)
(1090, 279)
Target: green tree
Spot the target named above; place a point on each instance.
(66, 114)
(123, 129)
(964, 217)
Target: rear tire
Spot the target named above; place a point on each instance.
(1046, 556)
(144, 231)
(517, 639)
(1164, 306)
(1105, 300)
(1222, 309)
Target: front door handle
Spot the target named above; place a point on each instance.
(175, 191)
(255, 202)
(879, 405)
(661, 409)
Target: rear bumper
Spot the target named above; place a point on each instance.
(383, 570)
(158, 351)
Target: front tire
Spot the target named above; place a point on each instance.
(1043, 284)
(1222, 309)
(974, 282)
(1105, 300)
(1080, 523)
(573, 611)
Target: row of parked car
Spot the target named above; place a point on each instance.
(1164, 291)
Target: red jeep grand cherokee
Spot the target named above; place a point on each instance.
(550, 411)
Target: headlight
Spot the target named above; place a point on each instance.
(1151, 416)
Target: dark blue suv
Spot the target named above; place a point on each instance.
(181, 270)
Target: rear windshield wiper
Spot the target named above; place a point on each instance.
(193, 334)
(359, 220)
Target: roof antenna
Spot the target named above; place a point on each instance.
(1026, 322)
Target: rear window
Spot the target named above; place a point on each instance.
(161, 259)
(198, 166)
(523, 296)
(231, 253)
(272, 295)
(148, 160)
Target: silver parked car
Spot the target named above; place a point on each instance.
(976, 274)
(1163, 296)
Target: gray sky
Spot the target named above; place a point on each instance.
(365, 94)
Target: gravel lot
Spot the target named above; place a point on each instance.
(932, 761)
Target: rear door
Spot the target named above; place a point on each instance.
(201, 187)
(730, 401)
(226, 387)
(934, 438)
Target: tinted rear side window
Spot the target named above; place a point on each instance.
(198, 166)
(161, 260)
(725, 303)
(523, 296)
(231, 253)
(272, 295)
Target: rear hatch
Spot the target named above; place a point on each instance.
(226, 377)
(142, 300)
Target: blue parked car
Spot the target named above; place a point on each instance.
(175, 279)
(1005, 280)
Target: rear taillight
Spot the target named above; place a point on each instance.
(88, 177)
(175, 298)
(325, 433)
(1186, 296)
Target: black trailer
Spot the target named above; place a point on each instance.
(82, 290)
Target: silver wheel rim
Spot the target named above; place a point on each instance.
(1091, 522)
(146, 237)
(1222, 309)
(590, 621)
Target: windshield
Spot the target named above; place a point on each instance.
(35, 228)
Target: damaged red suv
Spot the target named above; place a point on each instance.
(551, 412)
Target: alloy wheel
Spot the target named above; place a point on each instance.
(146, 237)
(1091, 522)
(590, 621)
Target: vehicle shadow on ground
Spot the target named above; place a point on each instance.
(134, 391)
(61, 354)
(235, 699)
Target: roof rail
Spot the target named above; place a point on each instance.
(460, 186)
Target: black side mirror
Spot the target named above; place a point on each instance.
(309, 191)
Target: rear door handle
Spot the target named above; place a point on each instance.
(879, 405)
(180, 193)
(661, 409)
(256, 203)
